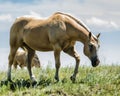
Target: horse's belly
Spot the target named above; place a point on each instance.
(43, 48)
(40, 45)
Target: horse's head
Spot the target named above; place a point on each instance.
(90, 49)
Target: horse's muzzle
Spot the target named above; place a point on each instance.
(95, 61)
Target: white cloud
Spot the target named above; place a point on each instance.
(5, 17)
(102, 24)
(114, 25)
(5, 22)
(101, 9)
(34, 13)
(96, 21)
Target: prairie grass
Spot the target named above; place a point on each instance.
(99, 81)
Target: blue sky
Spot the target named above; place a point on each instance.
(99, 15)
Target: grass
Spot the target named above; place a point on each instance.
(99, 81)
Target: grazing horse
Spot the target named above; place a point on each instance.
(21, 60)
(57, 33)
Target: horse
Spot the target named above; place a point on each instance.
(21, 60)
(57, 33)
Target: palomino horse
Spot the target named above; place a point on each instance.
(57, 33)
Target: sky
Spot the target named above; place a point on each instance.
(101, 16)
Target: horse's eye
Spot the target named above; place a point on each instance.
(91, 47)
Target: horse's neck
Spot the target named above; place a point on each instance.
(80, 35)
(77, 31)
(83, 36)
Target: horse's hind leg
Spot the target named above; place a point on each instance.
(71, 51)
(11, 59)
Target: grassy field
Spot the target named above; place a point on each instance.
(99, 81)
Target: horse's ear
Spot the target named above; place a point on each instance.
(98, 35)
(90, 34)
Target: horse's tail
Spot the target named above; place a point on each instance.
(16, 32)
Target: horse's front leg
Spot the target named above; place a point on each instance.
(77, 58)
(57, 63)
(71, 51)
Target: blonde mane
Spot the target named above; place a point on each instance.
(78, 21)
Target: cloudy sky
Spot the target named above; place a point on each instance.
(99, 15)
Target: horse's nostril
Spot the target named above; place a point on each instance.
(95, 61)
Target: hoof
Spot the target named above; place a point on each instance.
(57, 79)
(9, 80)
(34, 83)
(13, 86)
(72, 78)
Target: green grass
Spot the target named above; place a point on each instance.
(99, 81)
